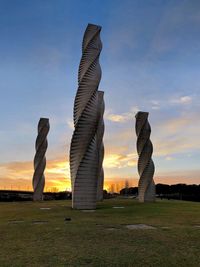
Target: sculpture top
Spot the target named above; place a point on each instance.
(44, 119)
(101, 93)
(94, 25)
(42, 123)
(91, 31)
(142, 114)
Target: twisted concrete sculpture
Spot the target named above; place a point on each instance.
(146, 186)
(100, 146)
(83, 150)
(40, 159)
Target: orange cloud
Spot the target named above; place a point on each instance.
(124, 117)
(117, 118)
(19, 174)
(119, 160)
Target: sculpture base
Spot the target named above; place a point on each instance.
(83, 207)
(36, 198)
(142, 200)
(150, 194)
(99, 195)
(83, 203)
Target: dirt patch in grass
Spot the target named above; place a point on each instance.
(139, 226)
(15, 221)
(39, 222)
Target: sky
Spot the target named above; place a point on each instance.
(150, 62)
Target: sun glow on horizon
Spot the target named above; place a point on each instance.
(119, 168)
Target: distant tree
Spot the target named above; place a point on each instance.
(117, 187)
(112, 188)
(126, 187)
(129, 191)
(179, 191)
(54, 189)
(162, 189)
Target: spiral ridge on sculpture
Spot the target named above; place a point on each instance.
(40, 159)
(100, 145)
(83, 150)
(146, 185)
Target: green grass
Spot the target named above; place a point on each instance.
(87, 239)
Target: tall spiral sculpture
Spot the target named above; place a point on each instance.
(40, 159)
(100, 146)
(83, 150)
(146, 186)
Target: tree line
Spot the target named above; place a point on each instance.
(176, 191)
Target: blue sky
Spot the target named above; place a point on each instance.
(150, 61)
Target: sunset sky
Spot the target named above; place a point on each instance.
(150, 61)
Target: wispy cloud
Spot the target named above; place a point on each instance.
(169, 158)
(120, 160)
(119, 118)
(70, 124)
(181, 101)
(155, 104)
(123, 117)
(184, 100)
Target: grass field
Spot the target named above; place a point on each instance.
(31, 236)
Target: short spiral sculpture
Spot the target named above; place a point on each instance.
(83, 150)
(100, 146)
(146, 186)
(40, 159)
